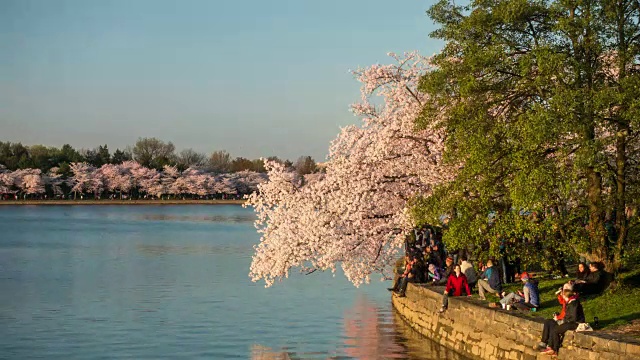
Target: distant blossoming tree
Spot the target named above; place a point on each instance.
(6, 180)
(55, 180)
(29, 181)
(355, 215)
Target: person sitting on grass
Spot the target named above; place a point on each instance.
(593, 283)
(583, 272)
(455, 284)
(526, 299)
(552, 333)
(489, 281)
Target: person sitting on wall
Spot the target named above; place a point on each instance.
(526, 299)
(593, 283)
(583, 272)
(448, 270)
(406, 273)
(434, 274)
(468, 271)
(553, 333)
(432, 257)
(489, 281)
(456, 282)
(558, 318)
(411, 274)
(419, 268)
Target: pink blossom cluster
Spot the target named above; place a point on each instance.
(29, 181)
(129, 176)
(355, 215)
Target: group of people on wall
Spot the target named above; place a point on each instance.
(423, 264)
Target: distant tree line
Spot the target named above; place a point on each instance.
(149, 152)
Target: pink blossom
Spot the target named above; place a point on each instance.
(355, 215)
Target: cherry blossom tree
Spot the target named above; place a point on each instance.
(29, 181)
(356, 215)
(6, 180)
(224, 185)
(55, 180)
(169, 176)
(84, 177)
(246, 182)
(150, 183)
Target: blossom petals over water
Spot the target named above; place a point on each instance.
(354, 216)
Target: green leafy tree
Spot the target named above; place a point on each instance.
(13, 155)
(240, 164)
(219, 162)
(98, 156)
(69, 155)
(120, 156)
(541, 102)
(154, 153)
(305, 165)
(190, 158)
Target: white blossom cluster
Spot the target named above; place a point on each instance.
(130, 175)
(354, 216)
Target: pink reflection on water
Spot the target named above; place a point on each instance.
(366, 336)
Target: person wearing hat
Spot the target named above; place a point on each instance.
(526, 299)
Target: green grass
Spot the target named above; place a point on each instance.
(618, 305)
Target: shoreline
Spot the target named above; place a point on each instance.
(108, 202)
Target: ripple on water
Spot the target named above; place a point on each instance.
(171, 283)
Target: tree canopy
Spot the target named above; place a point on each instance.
(544, 99)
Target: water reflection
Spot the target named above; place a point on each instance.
(234, 219)
(417, 346)
(161, 250)
(370, 333)
(100, 282)
(259, 352)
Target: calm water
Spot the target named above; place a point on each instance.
(151, 282)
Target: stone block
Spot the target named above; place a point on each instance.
(583, 340)
(633, 350)
(475, 350)
(473, 329)
(568, 337)
(502, 317)
(600, 344)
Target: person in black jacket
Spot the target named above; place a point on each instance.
(553, 334)
(413, 274)
(593, 283)
(583, 272)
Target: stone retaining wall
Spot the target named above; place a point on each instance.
(473, 329)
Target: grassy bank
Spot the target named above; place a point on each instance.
(121, 202)
(617, 308)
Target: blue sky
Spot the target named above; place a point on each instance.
(256, 78)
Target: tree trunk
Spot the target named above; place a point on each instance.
(621, 150)
(621, 218)
(597, 233)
